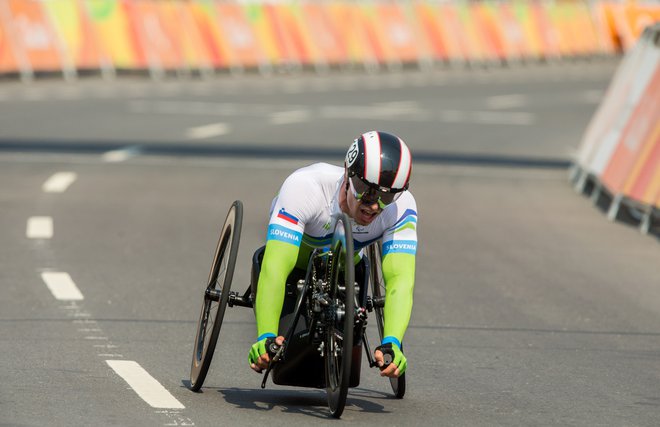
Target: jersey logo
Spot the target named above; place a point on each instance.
(282, 214)
(400, 246)
(283, 234)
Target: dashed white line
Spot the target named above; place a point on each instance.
(59, 182)
(61, 286)
(121, 155)
(289, 117)
(207, 131)
(506, 101)
(146, 386)
(39, 227)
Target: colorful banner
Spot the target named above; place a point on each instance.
(36, 44)
(621, 148)
(323, 34)
(212, 47)
(115, 36)
(8, 62)
(161, 35)
(73, 26)
(244, 47)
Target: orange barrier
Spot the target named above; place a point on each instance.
(620, 152)
(212, 46)
(113, 33)
(324, 35)
(244, 48)
(33, 41)
(73, 26)
(8, 62)
(178, 35)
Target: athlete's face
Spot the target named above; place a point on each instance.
(362, 213)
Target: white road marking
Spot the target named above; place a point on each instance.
(146, 386)
(452, 116)
(503, 118)
(39, 227)
(121, 155)
(59, 182)
(288, 117)
(506, 101)
(61, 285)
(207, 131)
(486, 117)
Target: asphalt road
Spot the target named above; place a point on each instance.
(530, 307)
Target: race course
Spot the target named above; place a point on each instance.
(531, 308)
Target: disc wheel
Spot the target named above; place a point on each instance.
(377, 285)
(216, 295)
(340, 317)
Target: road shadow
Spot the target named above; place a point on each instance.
(310, 402)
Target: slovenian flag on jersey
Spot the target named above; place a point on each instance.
(287, 217)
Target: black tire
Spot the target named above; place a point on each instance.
(340, 320)
(216, 295)
(377, 285)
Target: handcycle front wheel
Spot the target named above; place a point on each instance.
(377, 285)
(338, 342)
(216, 295)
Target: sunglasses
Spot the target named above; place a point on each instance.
(370, 195)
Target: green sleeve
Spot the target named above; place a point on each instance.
(399, 275)
(278, 262)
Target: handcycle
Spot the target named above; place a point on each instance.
(324, 318)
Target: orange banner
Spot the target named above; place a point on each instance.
(211, 45)
(34, 37)
(287, 34)
(323, 34)
(81, 43)
(394, 34)
(427, 18)
(244, 47)
(641, 141)
(114, 33)
(8, 63)
(636, 142)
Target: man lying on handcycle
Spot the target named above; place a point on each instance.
(372, 190)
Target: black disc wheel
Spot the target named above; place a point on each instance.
(377, 285)
(216, 295)
(340, 317)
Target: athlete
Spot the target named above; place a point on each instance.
(372, 188)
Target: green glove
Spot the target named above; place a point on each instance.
(258, 348)
(393, 354)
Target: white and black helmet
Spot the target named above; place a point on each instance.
(382, 162)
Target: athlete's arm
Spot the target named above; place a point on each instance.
(278, 262)
(399, 276)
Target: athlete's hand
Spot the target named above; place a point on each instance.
(258, 358)
(394, 354)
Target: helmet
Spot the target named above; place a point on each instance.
(381, 160)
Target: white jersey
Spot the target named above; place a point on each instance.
(302, 213)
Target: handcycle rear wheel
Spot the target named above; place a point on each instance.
(377, 285)
(216, 296)
(338, 342)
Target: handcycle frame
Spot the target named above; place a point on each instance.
(335, 318)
